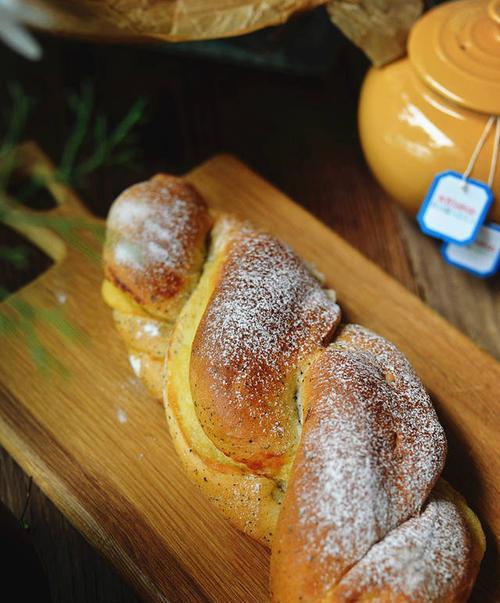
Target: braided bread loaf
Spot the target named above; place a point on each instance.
(316, 439)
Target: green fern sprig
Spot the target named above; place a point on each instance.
(109, 147)
(20, 319)
(15, 118)
(16, 255)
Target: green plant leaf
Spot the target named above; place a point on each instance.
(17, 255)
(90, 146)
(82, 106)
(131, 119)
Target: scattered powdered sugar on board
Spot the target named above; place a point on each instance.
(371, 448)
(424, 559)
(121, 415)
(61, 297)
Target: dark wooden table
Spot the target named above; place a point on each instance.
(299, 133)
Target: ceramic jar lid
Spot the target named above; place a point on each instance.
(455, 49)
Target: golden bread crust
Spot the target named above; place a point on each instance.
(370, 452)
(266, 313)
(155, 243)
(433, 556)
(250, 502)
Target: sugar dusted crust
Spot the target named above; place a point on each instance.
(266, 313)
(371, 450)
(155, 243)
(433, 556)
(249, 501)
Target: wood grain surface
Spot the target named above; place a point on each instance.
(300, 134)
(99, 448)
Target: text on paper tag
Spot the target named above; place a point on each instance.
(482, 257)
(454, 209)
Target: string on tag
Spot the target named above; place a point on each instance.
(494, 156)
(479, 147)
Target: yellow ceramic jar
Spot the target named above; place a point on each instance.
(425, 114)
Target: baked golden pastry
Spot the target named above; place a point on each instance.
(352, 526)
(315, 439)
(155, 248)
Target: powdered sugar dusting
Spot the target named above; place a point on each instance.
(371, 449)
(128, 212)
(267, 301)
(61, 297)
(266, 312)
(424, 559)
(154, 231)
(121, 415)
(155, 239)
(150, 328)
(135, 363)
(128, 254)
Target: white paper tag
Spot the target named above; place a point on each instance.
(454, 209)
(481, 257)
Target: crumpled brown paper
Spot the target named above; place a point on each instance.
(378, 27)
(172, 20)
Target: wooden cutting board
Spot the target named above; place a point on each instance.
(98, 446)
